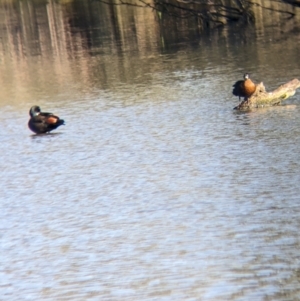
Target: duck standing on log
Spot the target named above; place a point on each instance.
(244, 88)
(41, 122)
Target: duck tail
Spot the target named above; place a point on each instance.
(61, 122)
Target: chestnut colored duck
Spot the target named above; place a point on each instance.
(244, 88)
(41, 122)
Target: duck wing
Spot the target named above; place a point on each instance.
(50, 118)
(238, 88)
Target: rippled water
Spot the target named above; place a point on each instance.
(155, 189)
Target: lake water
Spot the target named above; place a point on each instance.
(155, 189)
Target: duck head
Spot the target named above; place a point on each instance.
(34, 111)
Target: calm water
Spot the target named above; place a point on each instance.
(155, 189)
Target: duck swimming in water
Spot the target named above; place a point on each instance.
(244, 88)
(41, 122)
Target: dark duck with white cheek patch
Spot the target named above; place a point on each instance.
(244, 88)
(41, 122)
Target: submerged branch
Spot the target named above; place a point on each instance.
(211, 13)
(293, 2)
(262, 98)
(183, 9)
(273, 9)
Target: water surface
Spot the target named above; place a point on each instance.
(155, 189)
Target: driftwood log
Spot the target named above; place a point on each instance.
(262, 98)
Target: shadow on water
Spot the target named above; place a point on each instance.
(46, 135)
